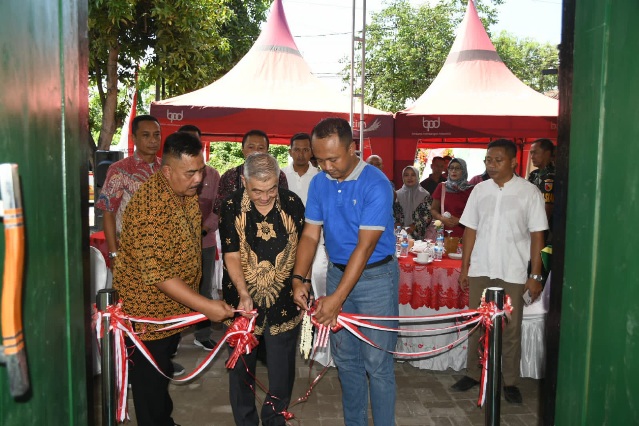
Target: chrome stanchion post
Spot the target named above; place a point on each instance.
(107, 297)
(493, 387)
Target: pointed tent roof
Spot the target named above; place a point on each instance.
(273, 75)
(473, 99)
(474, 80)
(273, 89)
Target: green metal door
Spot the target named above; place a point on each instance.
(598, 374)
(43, 119)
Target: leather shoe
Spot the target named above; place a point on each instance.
(464, 384)
(512, 394)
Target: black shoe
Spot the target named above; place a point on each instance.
(464, 384)
(178, 369)
(207, 345)
(512, 394)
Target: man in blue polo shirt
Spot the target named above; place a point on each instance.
(353, 202)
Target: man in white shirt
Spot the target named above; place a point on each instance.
(505, 222)
(301, 171)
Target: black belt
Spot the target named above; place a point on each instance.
(369, 266)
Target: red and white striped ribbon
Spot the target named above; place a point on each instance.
(120, 325)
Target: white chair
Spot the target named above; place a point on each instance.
(101, 278)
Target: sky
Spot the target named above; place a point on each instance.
(322, 28)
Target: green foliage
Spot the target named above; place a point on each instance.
(182, 45)
(226, 155)
(526, 58)
(281, 153)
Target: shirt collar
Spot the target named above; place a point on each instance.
(549, 168)
(355, 173)
(507, 183)
(137, 158)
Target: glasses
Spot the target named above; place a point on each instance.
(455, 169)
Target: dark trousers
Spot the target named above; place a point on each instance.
(280, 363)
(203, 328)
(153, 404)
(511, 337)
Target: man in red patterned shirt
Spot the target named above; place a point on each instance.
(125, 177)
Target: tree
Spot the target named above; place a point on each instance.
(226, 155)
(183, 44)
(527, 58)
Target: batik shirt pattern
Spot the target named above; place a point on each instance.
(160, 240)
(123, 179)
(267, 245)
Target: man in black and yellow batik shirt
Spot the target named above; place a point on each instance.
(158, 270)
(260, 225)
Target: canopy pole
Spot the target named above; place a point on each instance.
(362, 64)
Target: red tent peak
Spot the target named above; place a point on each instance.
(276, 34)
(472, 42)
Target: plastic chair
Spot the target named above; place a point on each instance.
(101, 278)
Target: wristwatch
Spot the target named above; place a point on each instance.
(536, 277)
(301, 278)
(113, 254)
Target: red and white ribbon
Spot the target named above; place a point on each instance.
(489, 314)
(486, 314)
(120, 325)
(240, 335)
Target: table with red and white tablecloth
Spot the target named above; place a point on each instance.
(434, 289)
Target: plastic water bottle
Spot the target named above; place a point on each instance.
(403, 252)
(403, 236)
(438, 252)
(439, 245)
(398, 240)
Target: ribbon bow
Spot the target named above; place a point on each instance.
(489, 312)
(241, 338)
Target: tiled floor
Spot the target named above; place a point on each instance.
(423, 397)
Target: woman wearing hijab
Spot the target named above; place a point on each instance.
(412, 209)
(457, 192)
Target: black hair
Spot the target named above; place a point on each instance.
(300, 136)
(190, 128)
(508, 145)
(546, 145)
(181, 143)
(255, 132)
(140, 118)
(436, 159)
(334, 126)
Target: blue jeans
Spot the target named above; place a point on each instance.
(376, 293)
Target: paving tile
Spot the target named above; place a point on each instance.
(441, 421)
(423, 397)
